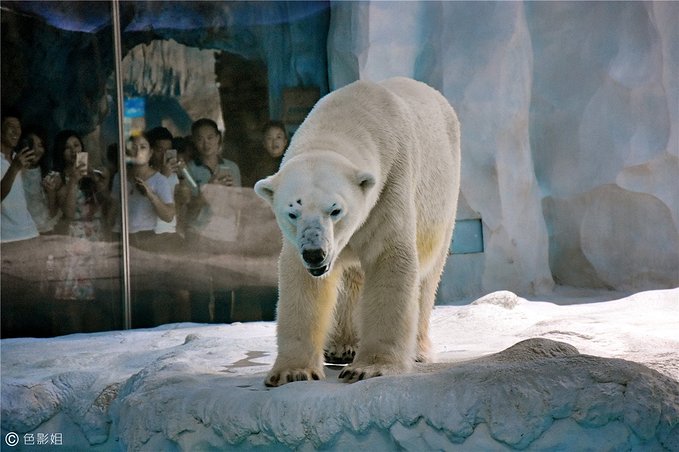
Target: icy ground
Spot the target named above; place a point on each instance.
(197, 387)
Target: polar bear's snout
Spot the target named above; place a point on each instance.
(315, 261)
(314, 247)
(315, 268)
(313, 256)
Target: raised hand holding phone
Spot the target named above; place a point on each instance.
(170, 164)
(223, 176)
(25, 143)
(170, 156)
(24, 158)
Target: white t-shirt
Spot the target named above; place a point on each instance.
(16, 222)
(36, 199)
(141, 214)
(163, 227)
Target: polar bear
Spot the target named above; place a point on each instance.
(365, 199)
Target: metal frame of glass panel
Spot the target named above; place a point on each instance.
(125, 264)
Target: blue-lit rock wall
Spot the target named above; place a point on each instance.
(57, 57)
(289, 37)
(570, 117)
(56, 78)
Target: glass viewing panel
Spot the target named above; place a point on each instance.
(202, 83)
(60, 263)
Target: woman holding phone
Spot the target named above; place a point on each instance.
(84, 199)
(149, 199)
(84, 195)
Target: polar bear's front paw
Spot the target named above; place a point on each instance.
(358, 372)
(340, 354)
(279, 377)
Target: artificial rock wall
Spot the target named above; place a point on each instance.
(569, 115)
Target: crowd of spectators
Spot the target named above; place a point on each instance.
(60, 190)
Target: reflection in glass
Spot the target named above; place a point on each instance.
(201, 83)
(213, 76)
(66, 277)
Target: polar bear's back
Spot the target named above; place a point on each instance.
(371, 122)
(433, 119)
(433, 147)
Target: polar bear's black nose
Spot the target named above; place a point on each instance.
(313, 256)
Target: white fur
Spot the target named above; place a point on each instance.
(370, 183)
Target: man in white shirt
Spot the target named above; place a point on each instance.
(16, 222)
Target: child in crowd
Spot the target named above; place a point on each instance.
(274, 142)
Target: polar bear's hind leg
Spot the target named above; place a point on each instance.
(430, 278)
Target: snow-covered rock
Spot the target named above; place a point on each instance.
(195, 387)
(518, 395)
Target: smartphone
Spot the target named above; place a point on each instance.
(170, 154)
(81, 158)
(25, 143)
(223, 174)
(225, 170)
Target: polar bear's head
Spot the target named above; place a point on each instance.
(319, 202)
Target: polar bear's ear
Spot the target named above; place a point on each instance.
(265, 189)
(365, 180)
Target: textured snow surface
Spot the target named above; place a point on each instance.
(196, 387)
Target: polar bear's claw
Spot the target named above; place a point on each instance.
(351, 375)
(340, 354)
(278, 378)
